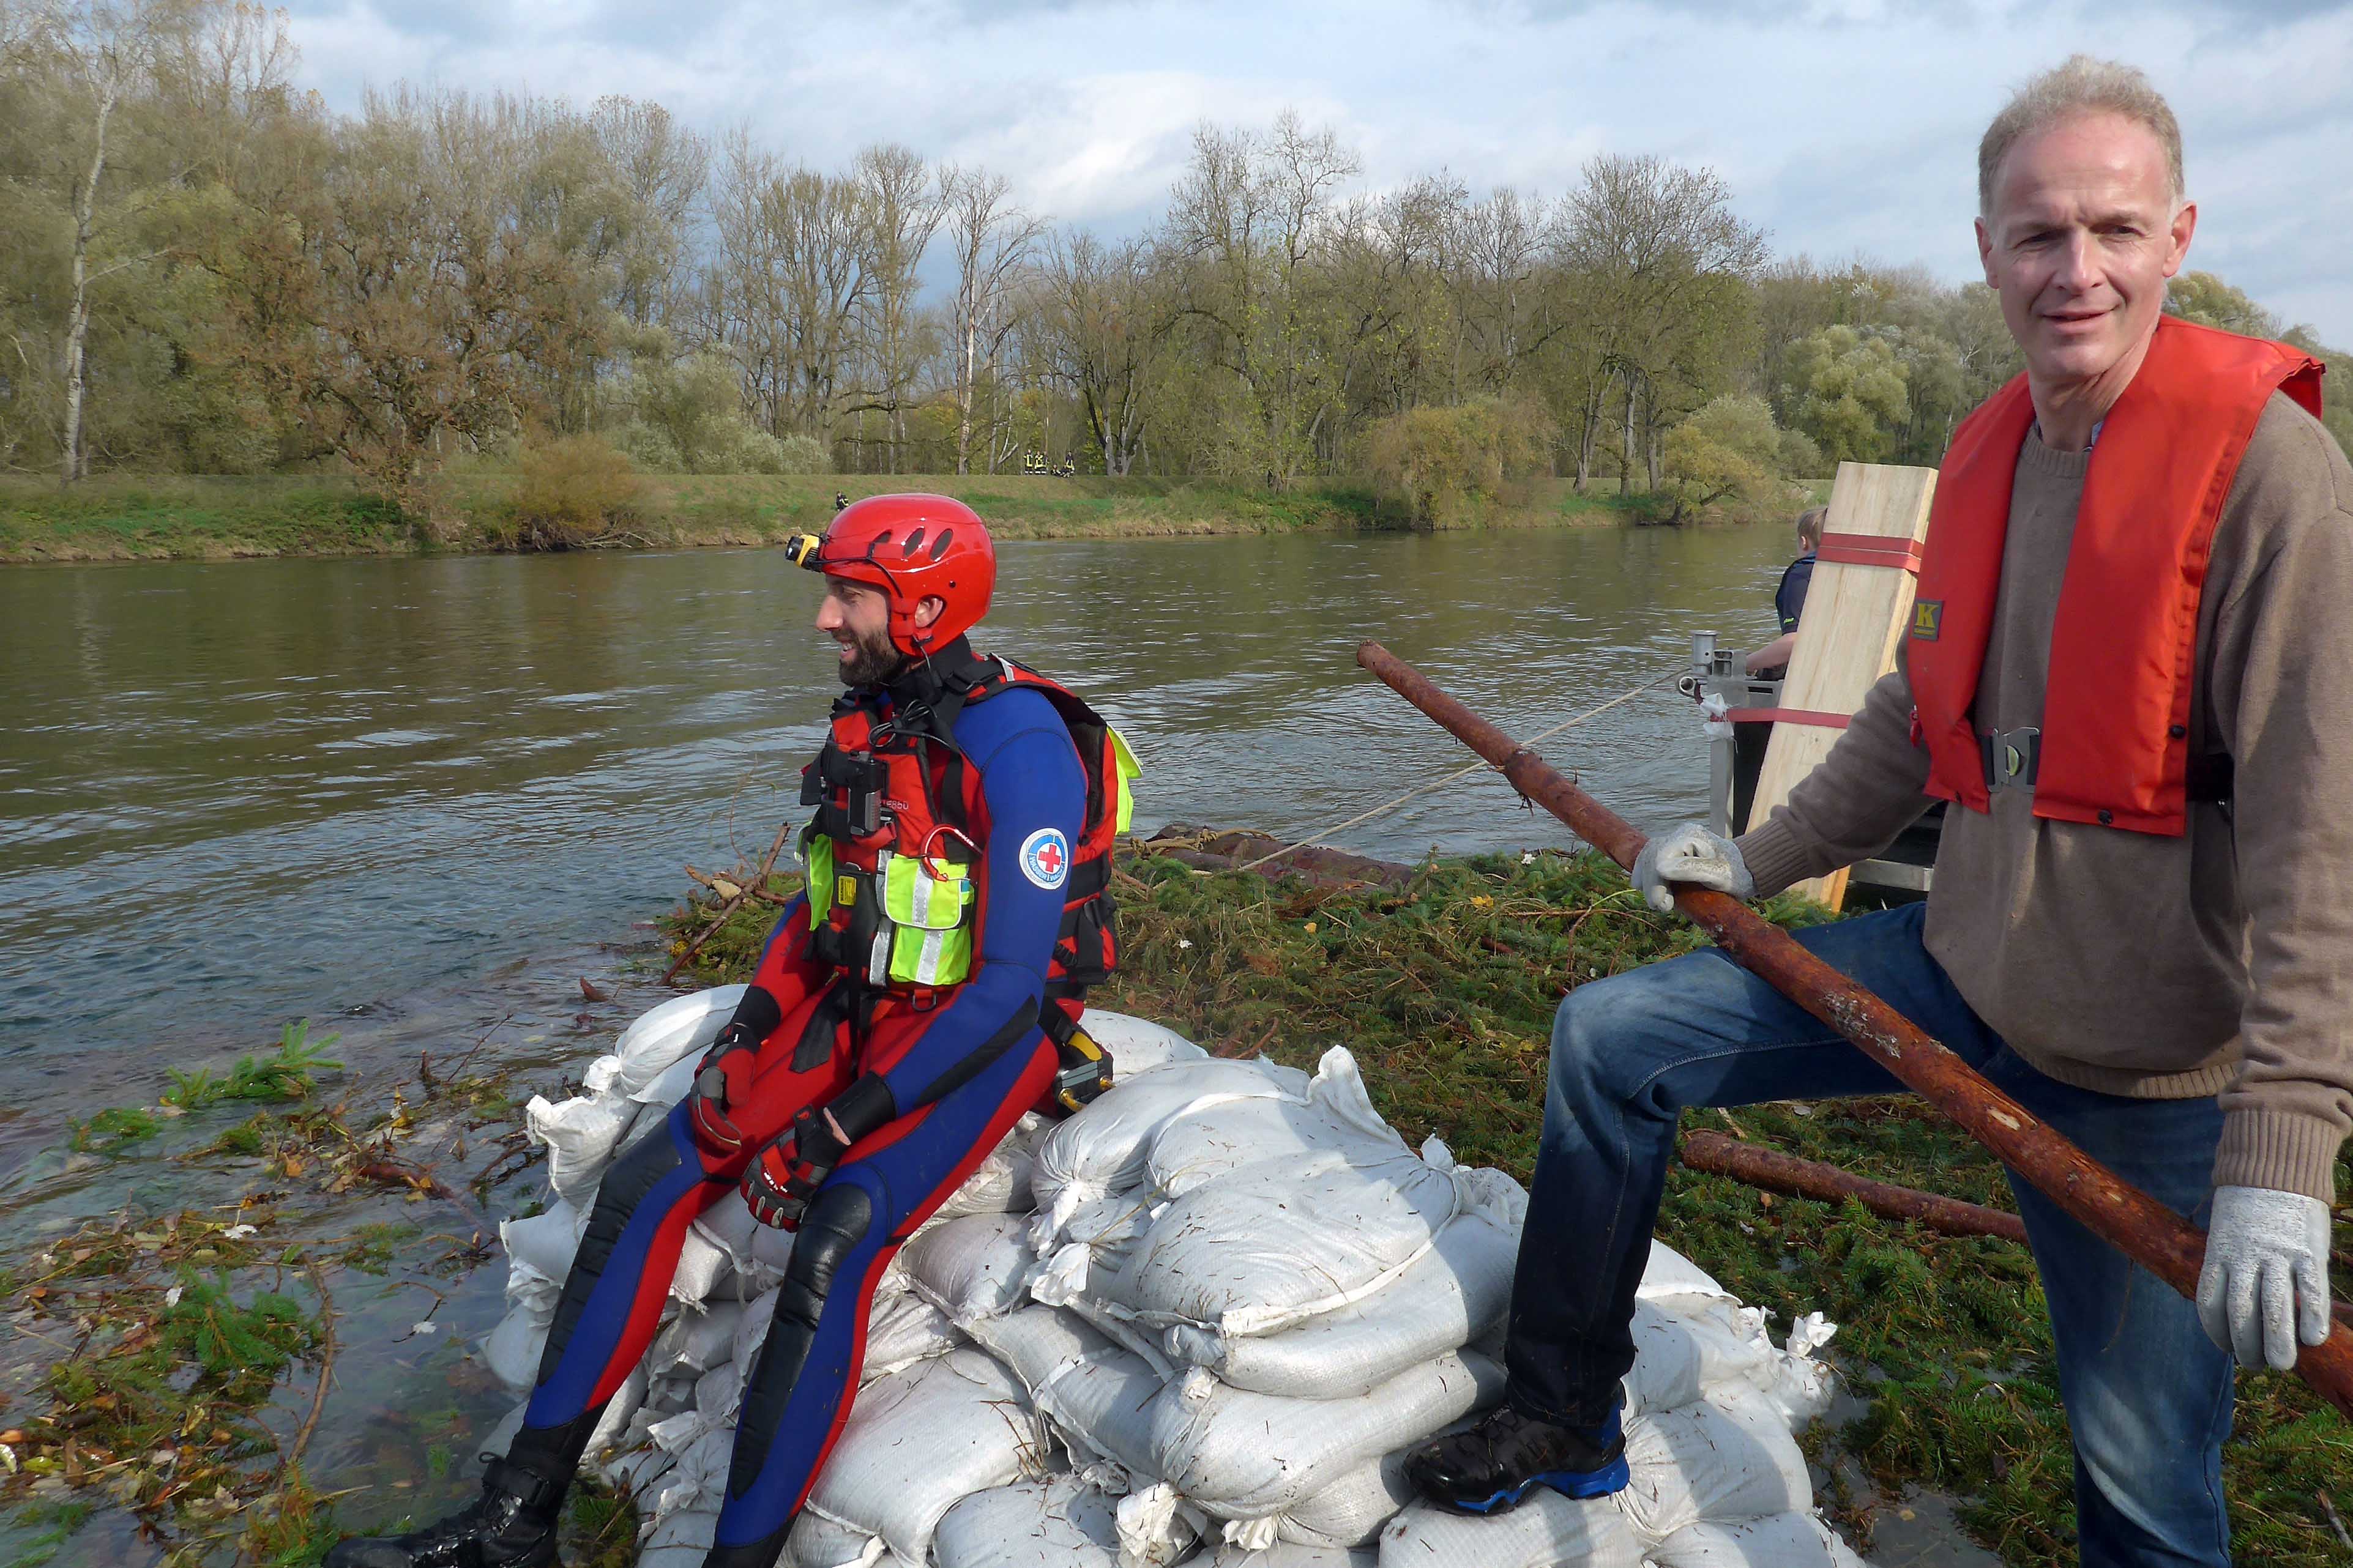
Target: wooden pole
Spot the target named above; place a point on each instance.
(1775, 1172)
(2135, 1223)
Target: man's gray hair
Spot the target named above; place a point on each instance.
(2081, 85)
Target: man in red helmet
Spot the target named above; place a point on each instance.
(909, 1007)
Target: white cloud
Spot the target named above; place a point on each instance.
(1843, 126)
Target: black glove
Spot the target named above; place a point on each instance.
(786, 1173)
(789, 1169)
(724, 1080)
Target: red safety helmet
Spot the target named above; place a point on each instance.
(913, 548)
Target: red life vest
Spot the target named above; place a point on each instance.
(2116, 718)
(900, 820)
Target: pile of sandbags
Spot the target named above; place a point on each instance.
(1199, 1322)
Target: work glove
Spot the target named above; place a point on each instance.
(2265, 1283)
(723, 1083)
(1690, 854)
(787, 1173)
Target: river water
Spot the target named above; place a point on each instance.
(236, 794)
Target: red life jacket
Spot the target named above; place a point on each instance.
(900, 820)
(2115, 748)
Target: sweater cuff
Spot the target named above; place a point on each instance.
(1774, 856)
(2280, 1150)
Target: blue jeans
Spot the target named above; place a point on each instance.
(2147, 1394)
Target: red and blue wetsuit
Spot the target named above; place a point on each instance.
(940, 1074)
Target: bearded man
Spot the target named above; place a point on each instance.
(919, 997)
(2129, 670)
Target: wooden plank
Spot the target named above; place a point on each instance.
(1847, 636)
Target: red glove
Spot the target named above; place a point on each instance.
(784, 1175)
(724, 1080)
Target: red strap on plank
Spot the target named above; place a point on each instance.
(1788, 716)
(1871, 550)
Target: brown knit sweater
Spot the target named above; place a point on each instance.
(2217, 962)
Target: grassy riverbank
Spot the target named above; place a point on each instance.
(1445, 992)
(125, 518)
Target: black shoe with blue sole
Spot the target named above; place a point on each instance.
(1491, 1467)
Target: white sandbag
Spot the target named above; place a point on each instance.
(1000, 1183)
(623, 1403)
(718, 1392)
(1058, 1522)
(1287, 1554)
(1137, 1046)
(672, 1393)
(972, 1267)
(1337, 1114)
(1097, 1395)
(901, 1330)
(920, 1441)
(1157, 1527)
(1450, 1297)
(728, 1226)
(527, 1286)
(702, 1268)
(545, 1242)
(1669, 1273)
(658, 1095)
(1546, 1530)
(681, 1027)
(1103, 1148)
(1351, 1510)
(680, 1540)
(1104, 1229)
(1039, 1343)
(1679, 1357)
(1281, 1241)
(513, 1348)
(641, 1468)
(1722, 1462)
(1777, 1541)
(817, 1542)
(580, 1134)
(697, 1339)
(751, 1329)
(1252, 1456)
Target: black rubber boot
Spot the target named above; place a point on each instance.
(1490, 1467)
(510, 1525)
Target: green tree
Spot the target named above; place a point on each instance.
(1729, 450)
(1851, 394)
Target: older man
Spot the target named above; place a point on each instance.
(2130, 669)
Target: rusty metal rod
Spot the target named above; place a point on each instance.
(2138, 1225)
(1774, 1171)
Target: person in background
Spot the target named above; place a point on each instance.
(2128, 672)
(1769, 662)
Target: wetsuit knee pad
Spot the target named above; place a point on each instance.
(627, 1184)
(840, 1217)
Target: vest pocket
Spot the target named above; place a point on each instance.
(929, 904)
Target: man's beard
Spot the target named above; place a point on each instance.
(875, 662)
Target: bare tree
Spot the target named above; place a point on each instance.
(993, 238)
(902, 212)
(108, 53)
(1103, 330)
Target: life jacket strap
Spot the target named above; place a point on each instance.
(2013, 760)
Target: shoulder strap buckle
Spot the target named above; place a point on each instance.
(2012, 757)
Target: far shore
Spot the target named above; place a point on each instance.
(122, 517)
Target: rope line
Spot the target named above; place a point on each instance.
(1463, 773)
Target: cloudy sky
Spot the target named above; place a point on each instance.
(1844, 127)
